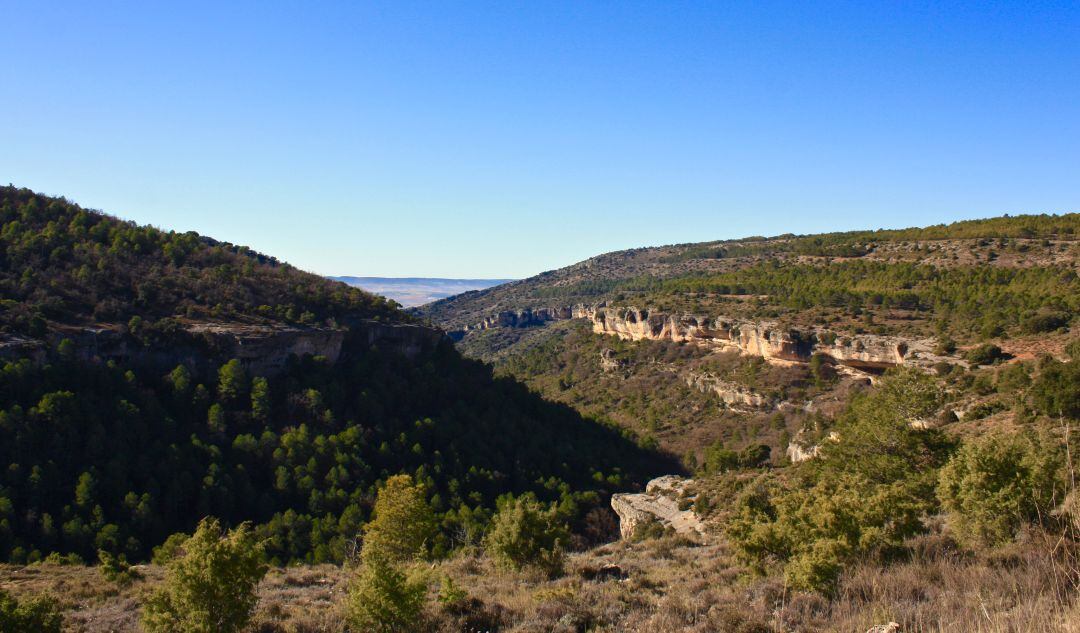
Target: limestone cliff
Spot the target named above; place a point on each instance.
(762, 338)
(767, 339)
(263, 349)
(524, 318)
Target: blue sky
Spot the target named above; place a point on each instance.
(460, 139)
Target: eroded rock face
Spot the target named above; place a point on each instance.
(800, 451)
(523, 318)
(610, 362)
(864, 352)
(660, 503)
(730, 393)
(764, 339)
(263, 349)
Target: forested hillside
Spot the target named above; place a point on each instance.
(117, 453)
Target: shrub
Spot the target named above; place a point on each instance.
(170, 549)
(993, 486)
(984, 354)
(755, 455)
(40, 614)
(1072, 349)
(210, 588)
(1044, 321)
(865, 493)
(384, 599)
(524, 533)
(115, 568)
(402, 522)
(945, 346)
(1056, 392)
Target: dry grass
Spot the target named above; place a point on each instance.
(660, 586)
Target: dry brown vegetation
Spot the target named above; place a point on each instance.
(657, 586)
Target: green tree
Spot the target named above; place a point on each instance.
(994, 485)
(383, 599)
(866, 492)
(232, 382)
(180, 379)
(39, 615)
(260, 398)
(210, 588)
(1056, 391)
(402, 524)
(216, 418)
(84, 490)
(524, 533)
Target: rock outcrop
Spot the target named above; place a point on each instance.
(524, 318)
(263, 349)
(610, 362)
(730, 393)
(799, 450)
(659, 503)
(769, 340)
(765, 339)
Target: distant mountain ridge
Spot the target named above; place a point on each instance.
(416, 291)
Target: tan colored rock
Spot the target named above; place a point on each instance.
(730, 393)
(766, 339)
(610, 362)
(659, 502)
(763, 338)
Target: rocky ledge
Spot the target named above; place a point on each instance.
(263, 349)
(763, 338)
(730, 393)
(658, 504)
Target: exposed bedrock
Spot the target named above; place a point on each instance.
(761, 338)
(658, 504)
(730, 393)
(769, 340)
(263, 349)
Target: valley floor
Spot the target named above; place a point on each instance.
(656, 586)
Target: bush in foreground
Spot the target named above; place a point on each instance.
(403, 522)
(37, 614)
(384, 599)
(523, 533)
(863, 496)
(210, 587)
(992, 487)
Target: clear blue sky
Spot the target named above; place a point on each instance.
(501, 139)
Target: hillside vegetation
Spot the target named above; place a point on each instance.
(880, 426)
(117, 455)
(64, 264)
